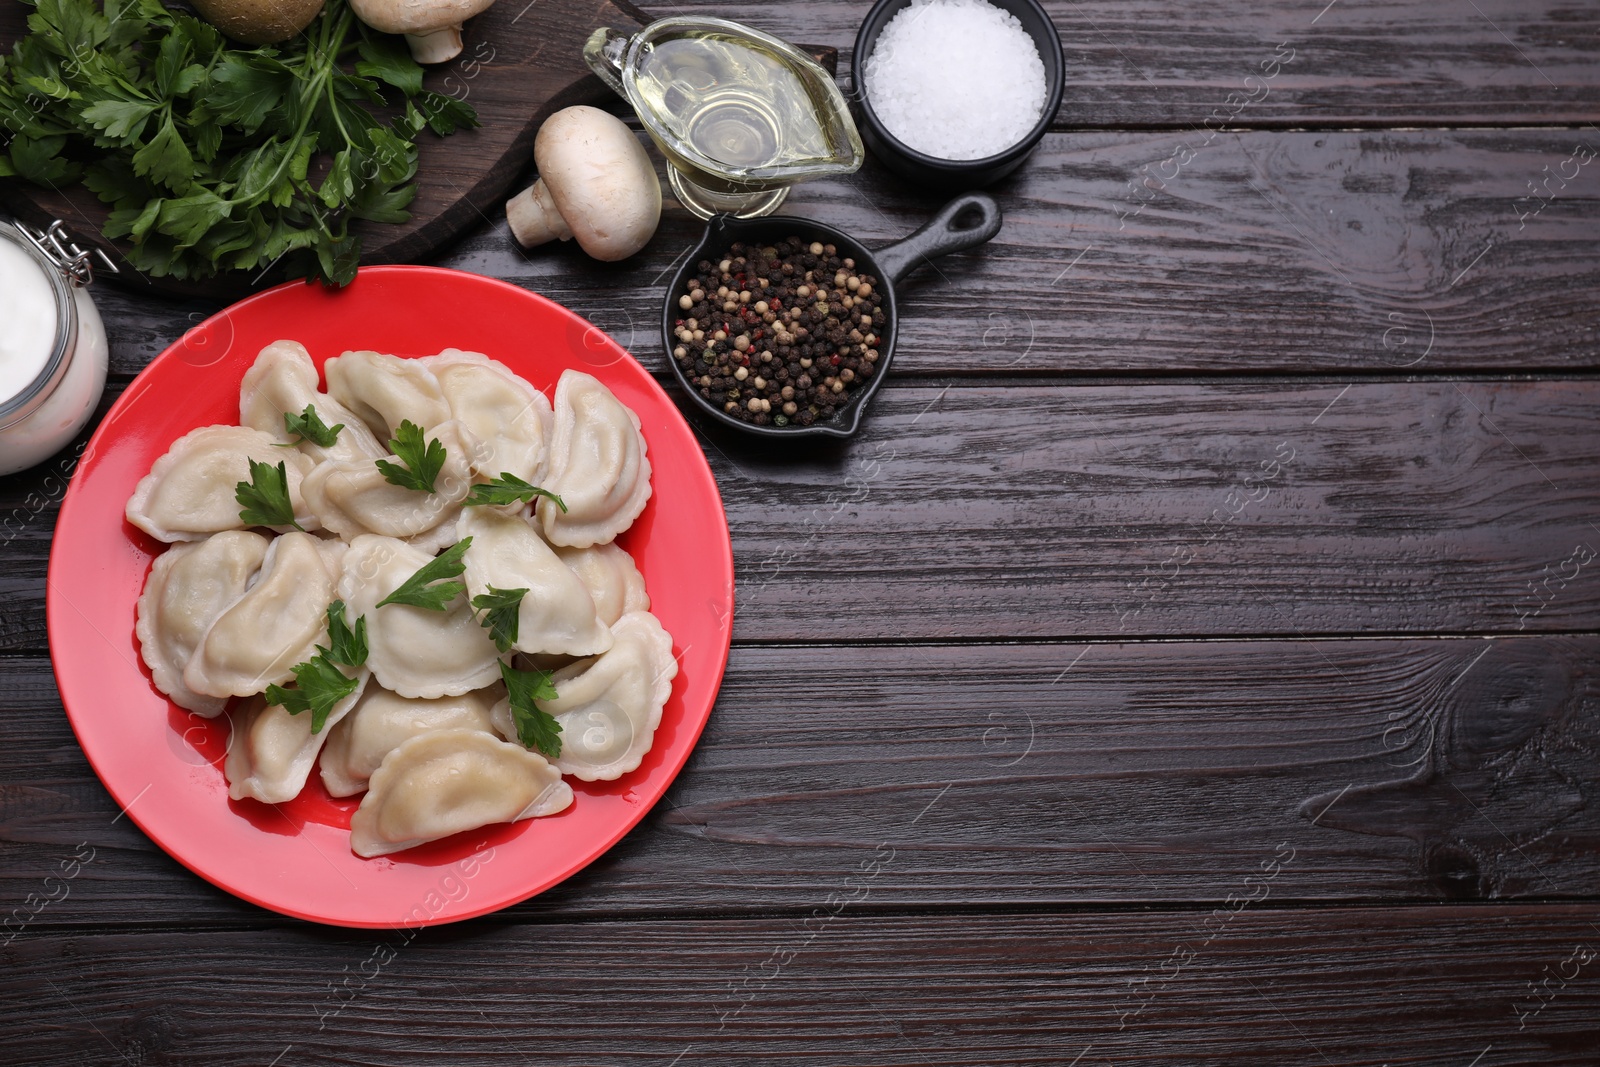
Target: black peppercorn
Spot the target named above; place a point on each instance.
(781, 310)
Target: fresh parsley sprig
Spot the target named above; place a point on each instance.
(264, 499)
(427, 587)
(349, 643)
(208, 151)
(423, 459)
(508, 489)
(536, 728)
(501, 608)
(308, 426)
(319, 686)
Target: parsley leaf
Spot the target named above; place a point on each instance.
(418, 590)
(501, 608)
(264, 499)
(536, 729)
(308, 425)
(508, 489)
(319, 686)
(245, 89)
(425, 461)
(165, 159)
(349, 643)
(445, 115)
(120, 120)
(390, 60)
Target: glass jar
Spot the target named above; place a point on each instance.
(53, 346)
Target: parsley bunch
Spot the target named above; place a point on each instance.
(215, 156)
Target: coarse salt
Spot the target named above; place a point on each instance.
(956, 79)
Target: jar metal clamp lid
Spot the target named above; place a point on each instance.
(67, 267)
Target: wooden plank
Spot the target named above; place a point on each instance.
(1258, 986)
(1387, 62)
(1411, 252)
(1185, 509)
(1188, 509)
(1011, 775)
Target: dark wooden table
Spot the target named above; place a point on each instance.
(1193, 662)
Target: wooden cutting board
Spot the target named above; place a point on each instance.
(520, 62)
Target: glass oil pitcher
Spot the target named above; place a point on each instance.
(739, 114)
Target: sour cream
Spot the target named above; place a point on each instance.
(28, 312)
(52, 355)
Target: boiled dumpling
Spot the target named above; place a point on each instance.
(383, 720)
(609, 707)
(411, 650)
(353, 498)
(557, 614)
(508, 419)
(283, 380)
(385, 391)
(449, 781)
(611, 577)
(189, 492)
(597, 465)
(435, 540)
(276, 623)
(542, 661)
(332, 551)
(189, 586)
(271, 753)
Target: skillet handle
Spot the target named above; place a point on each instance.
(940, 236)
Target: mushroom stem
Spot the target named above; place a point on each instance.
(440, 46)
(534, 217)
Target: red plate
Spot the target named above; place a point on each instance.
(164, 765)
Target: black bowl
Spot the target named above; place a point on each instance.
(955, 173)
(939, 236)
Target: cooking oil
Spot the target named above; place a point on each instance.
(739, 104)
(735, 111)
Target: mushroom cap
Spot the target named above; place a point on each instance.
(416, 16)
(259, 21)
(601, 179)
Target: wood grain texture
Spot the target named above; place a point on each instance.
(1049, 775)
(1381, 253)
(1383, 63)
(1268, 987)
(1178, 509)
(976, 511)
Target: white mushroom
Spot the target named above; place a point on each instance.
(432, 27)
(596, 183)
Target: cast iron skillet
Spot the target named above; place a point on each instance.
(940, 236)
